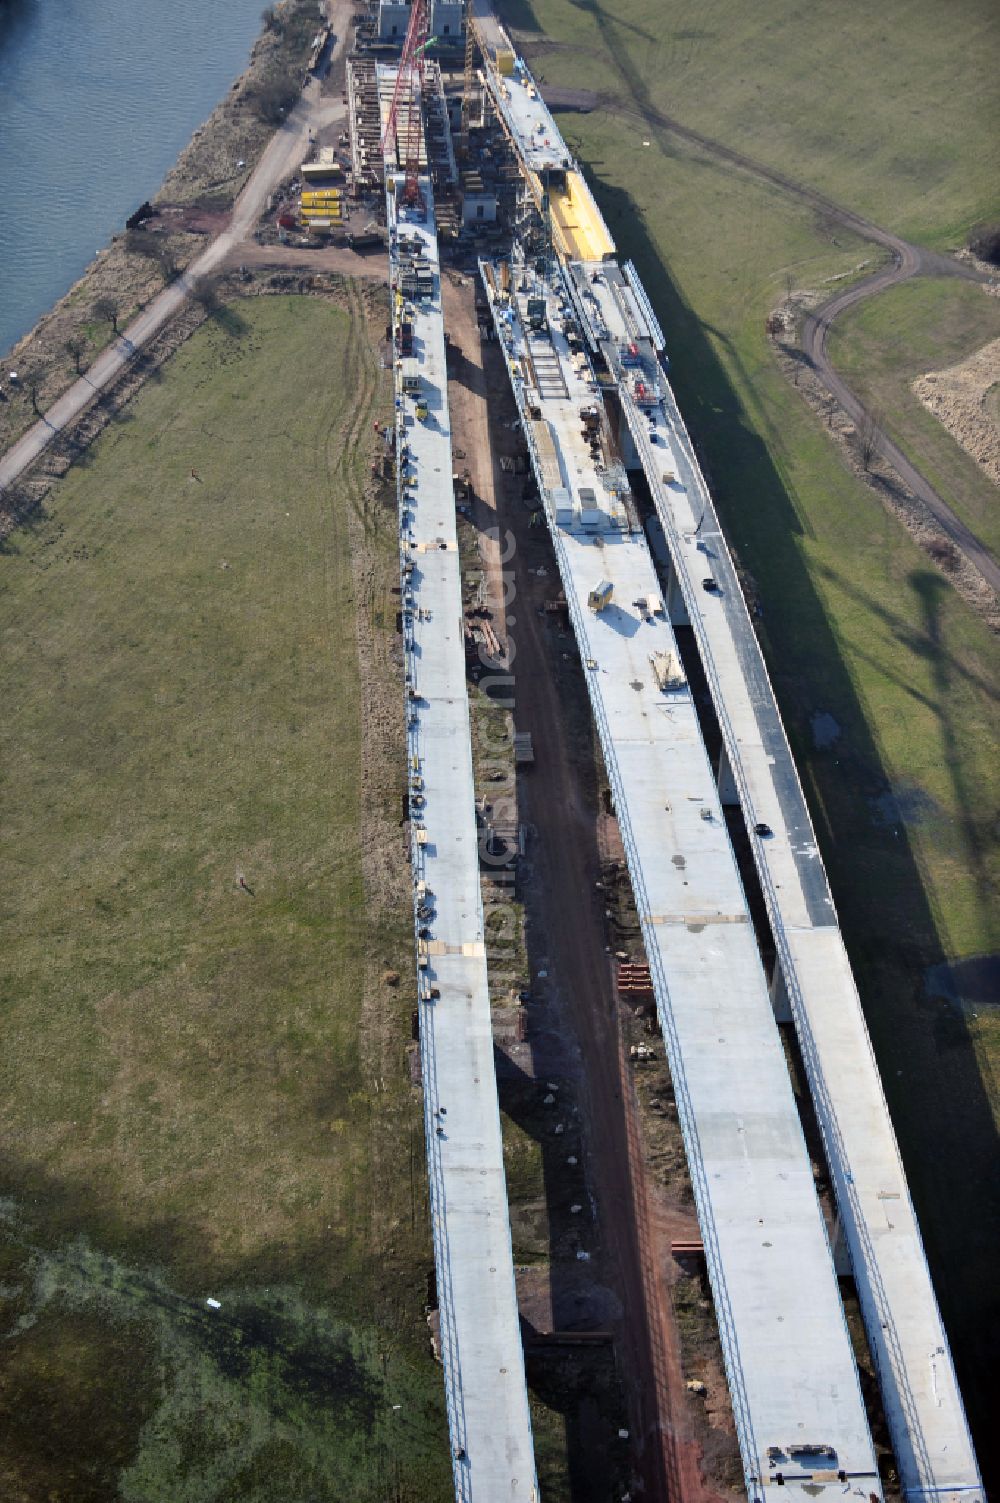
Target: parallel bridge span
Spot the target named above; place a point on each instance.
(799, 1412)
(919, 1388)
(485, 1390)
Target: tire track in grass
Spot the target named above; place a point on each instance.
(378, 1025)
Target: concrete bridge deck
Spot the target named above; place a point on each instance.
(799, 1412)
(920, 1391)
(814, 983)
(488, 1414)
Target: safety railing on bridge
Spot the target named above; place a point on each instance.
(448, 1329)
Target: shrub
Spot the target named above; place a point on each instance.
(984, 242)
(156, 248)
(271, 98)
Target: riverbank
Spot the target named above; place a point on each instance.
(193, 202)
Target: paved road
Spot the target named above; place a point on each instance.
(906, 261)
(279, 159)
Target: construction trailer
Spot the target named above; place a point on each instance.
(324, 169)
(601, 596)
(524, 752)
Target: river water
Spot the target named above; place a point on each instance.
(97, 99)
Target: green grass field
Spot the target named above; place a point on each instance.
(893, 113)
(857, 625)
(882, 346)
(192, 1101)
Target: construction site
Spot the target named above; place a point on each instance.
(703, 932)
(545, 905)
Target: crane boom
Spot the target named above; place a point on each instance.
(409, 83)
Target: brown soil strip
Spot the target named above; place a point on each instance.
(367, 512)
(370, 266)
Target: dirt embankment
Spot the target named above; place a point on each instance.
(957, 397)
(194, 201)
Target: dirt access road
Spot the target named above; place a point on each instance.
(371, 267)
(906, 260)
(815, 331)
(634, 1223)
(279, 159)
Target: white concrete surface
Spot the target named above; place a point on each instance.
(920, 1391)
(488, 1414)
(787, 1350)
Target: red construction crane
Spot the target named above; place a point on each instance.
(409, 82)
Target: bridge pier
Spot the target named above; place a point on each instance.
(842, 1265)
(627, 447)
(778, 992)
(725, 782)
(677, 612)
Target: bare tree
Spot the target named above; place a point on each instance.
(75, 347)
(206, 292)
(870, 435)
(273, 97)
(107, 308)
(155, 248)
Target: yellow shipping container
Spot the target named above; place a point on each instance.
(505, 62)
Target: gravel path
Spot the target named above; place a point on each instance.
(815, 331)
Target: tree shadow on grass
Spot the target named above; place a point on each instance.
(939, 1103)
(519, 14)
(30, 513)
(97, 1326)
(227, 317)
